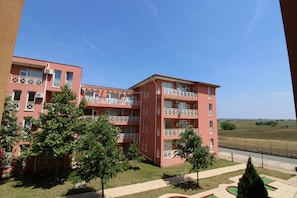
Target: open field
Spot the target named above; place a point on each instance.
(45, 186)
(278, 140)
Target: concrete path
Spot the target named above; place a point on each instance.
(151, 185)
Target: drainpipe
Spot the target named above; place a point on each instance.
(45, 86)
(155, 137)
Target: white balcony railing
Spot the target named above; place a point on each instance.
(125, 136)
(168, 153)
(113, 119)
(178, 92)
(26, 80)
(29, 106)
(100, 100)
(176, 131)
(180, 112)
(16, 104)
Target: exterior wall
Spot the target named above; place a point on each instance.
(11, 11)
(170, 110)
(27, 75)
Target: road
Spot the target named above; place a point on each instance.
(259, 155)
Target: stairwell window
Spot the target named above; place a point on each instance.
(57, 78)
(209, 93)
(211, 145)
(69, 78)
(210, 109)
(211, 127)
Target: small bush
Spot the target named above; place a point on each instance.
(227, 125)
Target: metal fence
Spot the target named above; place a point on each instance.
(272, 147)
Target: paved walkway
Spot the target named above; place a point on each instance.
(151, 185)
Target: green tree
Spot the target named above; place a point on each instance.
(57, 127)
(9, 129)
(97, 153)
(134, 154)
(189, 147)
(225, 125)
(251, 184)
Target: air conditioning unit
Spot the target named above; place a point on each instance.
(48, 71)
(39, 95)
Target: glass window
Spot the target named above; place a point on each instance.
(31, 96)
(16, 95)
(210, 109)
(57, 78)
(69, 78)
(210, 127)
(209, 92)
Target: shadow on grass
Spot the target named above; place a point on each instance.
(41, 180)
(91, 192)
(182, 182)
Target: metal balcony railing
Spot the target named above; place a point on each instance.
(99, 100)
(180, 112)
(26, 80)
(176, 131)
(178, 92)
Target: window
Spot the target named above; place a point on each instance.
(69, 78)
(210, 109)
(211, 145)
(30, 101)
(57, 78)
(146, 126)
(16, 97)
(209, 92)
(27, 126)
(30, 76)
(210, 127)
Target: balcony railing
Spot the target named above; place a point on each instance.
(176, 131)
(16, 104)
(99, 100)
(178, 92)
(113, 119)
(29, 106)
(26, 80)
(125, 136)
(180, 112)
(168, 153)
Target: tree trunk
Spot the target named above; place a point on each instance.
(198, 185)
(102, 187)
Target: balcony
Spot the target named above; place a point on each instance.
(99, 100)
(29, 106)
(16, 104)
(26, 80)
(176, 131)
(128, 136)
(181, 112)
(114, 119)
(179, 92)
(168, 154)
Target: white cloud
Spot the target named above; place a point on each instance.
(261, 6)
(284, 93)
(93, 46)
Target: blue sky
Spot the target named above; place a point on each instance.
(239, 45)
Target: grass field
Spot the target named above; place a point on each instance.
(46, 187)
(279, 140)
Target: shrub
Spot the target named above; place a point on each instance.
(227, 125)
(251, 184)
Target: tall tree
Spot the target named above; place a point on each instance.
(97, 153)
(9, 128)
(189, 147)
(251, 184)
(57, 126)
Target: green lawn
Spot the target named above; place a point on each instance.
(44, 186)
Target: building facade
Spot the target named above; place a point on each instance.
(153, 113)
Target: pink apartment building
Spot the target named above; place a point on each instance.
(154, 112)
